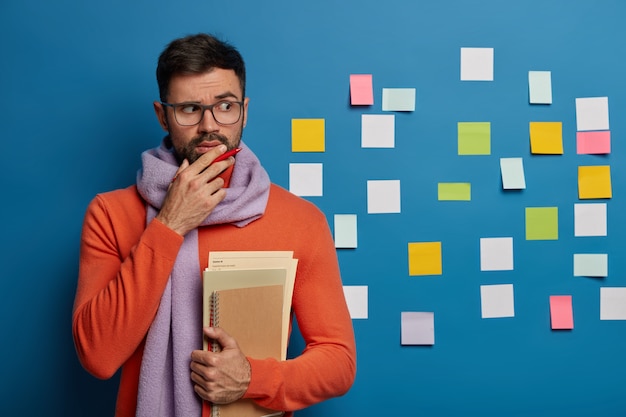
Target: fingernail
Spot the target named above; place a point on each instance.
(222, 148)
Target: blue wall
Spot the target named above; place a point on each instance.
(77, 82)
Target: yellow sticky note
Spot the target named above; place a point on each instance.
(594, 182)
(425, 258)
(546, 138)
(542, 223)
(474, 138)
(307, 135)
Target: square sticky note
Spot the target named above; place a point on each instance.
(377, 130)
(496, 254)
(425, 258)
(497, 301)
(542, 223)
(474, 138)
(592, 113)
(383, 196)
(361, 90)
(612, 303)
(476, 64)
(540, 87)
(345, 231)
(356, 298)
(454, 191)
(417, 328)
(546, 138)
(512, 171)
(591, 265)
(561, 312)
(306, 180)
(307, 135)
(398, 99)
(594, 182)
(590, 219)
(593, 143)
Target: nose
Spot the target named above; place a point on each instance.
(208, 123)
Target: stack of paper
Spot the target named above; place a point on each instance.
(248, 294)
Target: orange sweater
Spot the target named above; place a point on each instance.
(125, 265)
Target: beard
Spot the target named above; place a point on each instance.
(190, 153)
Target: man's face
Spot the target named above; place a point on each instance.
(190, 142)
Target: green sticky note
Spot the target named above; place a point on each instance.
(542, 223)
(474, 138)
(454, 191)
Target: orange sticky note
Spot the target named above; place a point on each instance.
(425, 258)
(361, 90)
(561, 312)
(546, 138)
(593, 142)
(594, 182)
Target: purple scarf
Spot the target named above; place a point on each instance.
(165, 386)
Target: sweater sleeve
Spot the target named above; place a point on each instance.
(327, 366)
(124, 268)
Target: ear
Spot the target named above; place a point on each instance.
(245, 110)
(159, 110)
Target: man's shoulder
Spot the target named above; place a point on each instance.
(124, 199)
(284, 201)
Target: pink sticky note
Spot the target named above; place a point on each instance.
(361, 90)
(561, 314)
(593, 142)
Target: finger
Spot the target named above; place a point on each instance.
(207, 158)
(180, 169)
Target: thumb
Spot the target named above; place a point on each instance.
(218, 334)
(180, 169)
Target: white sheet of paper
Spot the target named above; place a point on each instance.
(383, 196)
(613, 303)
(476, 64)
(345, 230)
(512, 170)
(496, 254)
(306, 180)
(356, 298)
(591, 264)
(592, 113)
(497, 301)
(540, 87)
(398, 99)
(417, 328)
(590, 219)
(378, 131)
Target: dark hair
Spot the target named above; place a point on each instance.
(195, 54)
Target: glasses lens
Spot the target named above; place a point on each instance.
(188, 114)
(227, 112)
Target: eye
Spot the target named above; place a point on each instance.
(189, 108)
(224, 106)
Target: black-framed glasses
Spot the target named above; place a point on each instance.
(224, 112)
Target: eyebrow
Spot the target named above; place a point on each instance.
(227, 94)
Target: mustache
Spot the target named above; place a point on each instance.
(209, 137)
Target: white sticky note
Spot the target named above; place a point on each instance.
(497, 301)
(345, 231)
(383, 196)
(540, 87)
(417, 328)
(591, 264)
(590, 219)
(378, 130)
(398, 99)
(305, 180)
(592, 113)
(476, 64)
(512, 170)
(356, 298)
(496, 254)
(612, 303)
